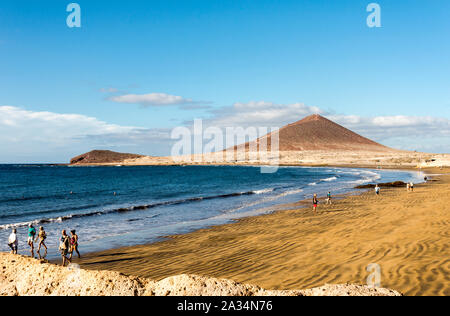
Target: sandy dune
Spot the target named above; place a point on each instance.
(405, 233)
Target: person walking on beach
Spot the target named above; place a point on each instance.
(13, 243)
(315, 203)
(411, 186)
(31, 235)
(64, 245)
(74, 244)
(42, 235)
(377, 190)
(329, 198)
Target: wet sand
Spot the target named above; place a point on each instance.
(406, 233)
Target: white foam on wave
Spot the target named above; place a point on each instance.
(263, 200)
(263, 191)
(330, 179)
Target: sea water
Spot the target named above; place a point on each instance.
(111, 207)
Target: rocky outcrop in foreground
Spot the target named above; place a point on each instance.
(23, 276)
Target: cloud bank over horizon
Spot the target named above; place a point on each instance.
(29, 136)
(32, 136)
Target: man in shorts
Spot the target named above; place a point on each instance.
(329, 198)
(31, 235)
(64, 247)
(13, 243)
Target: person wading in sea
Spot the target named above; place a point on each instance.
(64, 246)
(31, 235)
(74, 244)
(13, 242)
(42, 236)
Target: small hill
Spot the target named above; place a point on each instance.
(102, 157)
(318, 133)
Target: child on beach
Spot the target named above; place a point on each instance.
(13, 243)
(31, 235)
(64, 246)
(315, 203)
(74, 244)
(42, 235)
(329, 198)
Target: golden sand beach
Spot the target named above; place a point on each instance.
(405, 233)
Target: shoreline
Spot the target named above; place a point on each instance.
(244, 249)
(258, 195)
(263, 210)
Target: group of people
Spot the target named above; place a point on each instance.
(409, 187)
(67, 245)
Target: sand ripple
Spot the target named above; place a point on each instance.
(406, 234)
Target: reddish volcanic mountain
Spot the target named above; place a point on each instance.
(318, 133)
(102, 156)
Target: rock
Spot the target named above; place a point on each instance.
(396, 184)
(349, 290)
(23, 276)
(102, 157)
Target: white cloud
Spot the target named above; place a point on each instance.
(58, 137)
(426, 133)
(260, 113)
(387, 127)
(108, 90)
(151, 99)
(51, 127)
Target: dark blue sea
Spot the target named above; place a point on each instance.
(155, 201)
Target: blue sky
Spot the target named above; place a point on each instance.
(213, 55)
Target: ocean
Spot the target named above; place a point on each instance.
(111, 207)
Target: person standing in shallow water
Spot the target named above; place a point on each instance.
(315, 203)
(31, 235)
(42, 236)
(64, 247)
(13, 242)
(74, 244)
